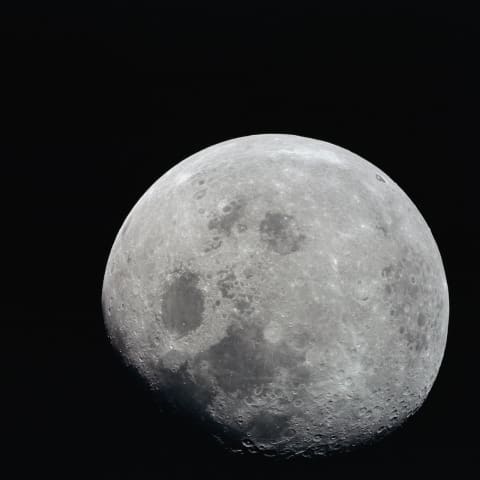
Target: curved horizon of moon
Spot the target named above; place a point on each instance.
(281, 291)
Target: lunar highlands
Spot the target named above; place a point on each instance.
(281, 292)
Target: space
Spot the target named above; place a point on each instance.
(103, 99)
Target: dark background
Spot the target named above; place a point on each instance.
(102, 98)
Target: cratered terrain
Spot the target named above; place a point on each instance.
(283, 292)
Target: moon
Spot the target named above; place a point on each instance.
(283, 293)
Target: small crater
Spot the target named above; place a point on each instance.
(269, 453)
(201, 211)
(410, 337)
(382, 228)
(248, 272)
(257, 391)
(183, 304)
(421, 319)
(421, 343)
(380, 178)
(243, 305)
(297, 402)
(281, 233)
(200, 194)
(226, 283)
(241, 228)
(213, 244)
(201, 182)
(387, 271)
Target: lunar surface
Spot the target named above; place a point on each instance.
(282, 292)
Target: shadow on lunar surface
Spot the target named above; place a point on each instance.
(176, 441)
(242, 367)
(223, 443)
(245, 346)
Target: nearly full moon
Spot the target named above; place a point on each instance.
(282, 292)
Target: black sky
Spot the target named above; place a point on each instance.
(101, 98)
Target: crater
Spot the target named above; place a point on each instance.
(243, 305)
(213, 244)
(183, 304)
(200, 194)
(387, 271)
(226, 283)
(416, 340)
(281, 233)
(383, 228)
(269, 427)
(421, 343)
(407, 294)
(228, 286)
(232, 212)
(380, 178)
(398, 281)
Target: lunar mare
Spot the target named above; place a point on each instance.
(281, 291)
